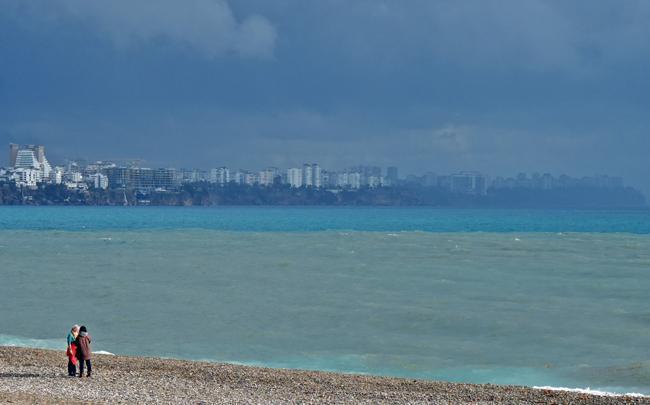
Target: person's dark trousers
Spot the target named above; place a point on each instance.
(72, 369)
(81, 367)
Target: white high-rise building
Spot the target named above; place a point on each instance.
(348, 180)
(74, 177)
(27, 177)
(250, 178)
(325, 178)
(212, 177)
(392, 178)
(342, 180)
(469, 183)
(267, 176)
(307, 175)
(100, 181)
(224, 175)
(354, 180)
(220, 175)
(46, 169)
(56, 176)
(26, 159)
(316, 175)
(294, 177)
(30, 157)
(375, 181)
(238, 177)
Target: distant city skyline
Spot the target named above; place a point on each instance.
(30, 168)
(139, 162)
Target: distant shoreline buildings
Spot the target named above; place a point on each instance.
(29, 167)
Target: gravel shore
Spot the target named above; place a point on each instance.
(40, 376)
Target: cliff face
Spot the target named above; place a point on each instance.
(205, 194)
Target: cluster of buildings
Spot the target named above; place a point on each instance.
(29, 164)
(308, 175)
(548, 182)
(478, 183)
(28, 167)
(467, 182)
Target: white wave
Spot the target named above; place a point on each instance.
(18, 341)
(104, 352)
(51, 344)
(593, 392)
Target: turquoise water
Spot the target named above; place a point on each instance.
(554, 298)
(310, 219)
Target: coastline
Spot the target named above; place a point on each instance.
(39, 376)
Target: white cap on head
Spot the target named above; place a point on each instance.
(75, 326)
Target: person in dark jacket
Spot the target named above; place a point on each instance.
(83, 351)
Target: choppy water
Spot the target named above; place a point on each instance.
(526, 297)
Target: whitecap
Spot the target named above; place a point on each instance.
(50, 344)
(20, 341)
(592, 392)
(104, 352)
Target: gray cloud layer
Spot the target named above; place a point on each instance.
(499, 86)
(205, 26)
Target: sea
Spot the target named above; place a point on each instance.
(526, 297)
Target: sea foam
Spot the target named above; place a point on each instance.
(51, 344)
(19, 341)
(593, 392)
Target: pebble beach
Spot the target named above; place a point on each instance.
(39, 376)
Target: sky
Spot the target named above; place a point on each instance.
(502, 86)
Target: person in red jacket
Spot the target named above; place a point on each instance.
(71, 352)
(83, 351)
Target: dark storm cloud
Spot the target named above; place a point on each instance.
(499, 86)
